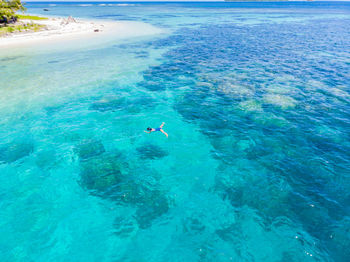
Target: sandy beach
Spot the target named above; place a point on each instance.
(69, 28)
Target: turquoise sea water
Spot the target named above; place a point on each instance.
(256, 101)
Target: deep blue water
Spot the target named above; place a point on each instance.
(256, 100)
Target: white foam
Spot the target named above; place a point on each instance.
(124, 4)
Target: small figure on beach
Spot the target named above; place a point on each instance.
(160, 128)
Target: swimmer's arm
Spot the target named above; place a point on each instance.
(147, 132)
(162, 125)
(164, 132)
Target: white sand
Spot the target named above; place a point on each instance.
(62, 29)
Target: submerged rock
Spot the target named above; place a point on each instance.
(282, 101)
(110, 176)
(149, 200)
(139, 103)
(142, 101)
(136, 188)
(193, 225)
(339, 240)
(245, 144)
(250, 106)
(108, 104)
(155, 205)
(89, 148)
(14, 151)
(50, 110)
(102, 173)
(234, 90)
(141, 54)
(124, 226)
(45, 158)
(149, 151)
(152, 85)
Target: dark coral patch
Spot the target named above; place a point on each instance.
(89, 148)
(137, 104)
(102, 173)
(124, 226)
(149, 151)
(14, 151)
(45, 158)
(153, 206)
(193, 225)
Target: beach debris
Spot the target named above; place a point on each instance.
(67, 21)
(70, 19)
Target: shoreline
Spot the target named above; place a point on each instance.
(59, 29)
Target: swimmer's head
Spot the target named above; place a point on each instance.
(149, 129)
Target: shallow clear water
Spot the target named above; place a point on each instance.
(256, 101)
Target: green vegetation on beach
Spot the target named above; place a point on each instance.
(31, 17)
(8, 9)
(20, 28)
(9, 19)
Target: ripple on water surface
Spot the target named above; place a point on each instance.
(256, 166)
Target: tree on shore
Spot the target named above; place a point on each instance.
(8, 9)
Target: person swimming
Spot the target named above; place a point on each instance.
(160, 128)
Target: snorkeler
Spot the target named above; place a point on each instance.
(150, 130)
